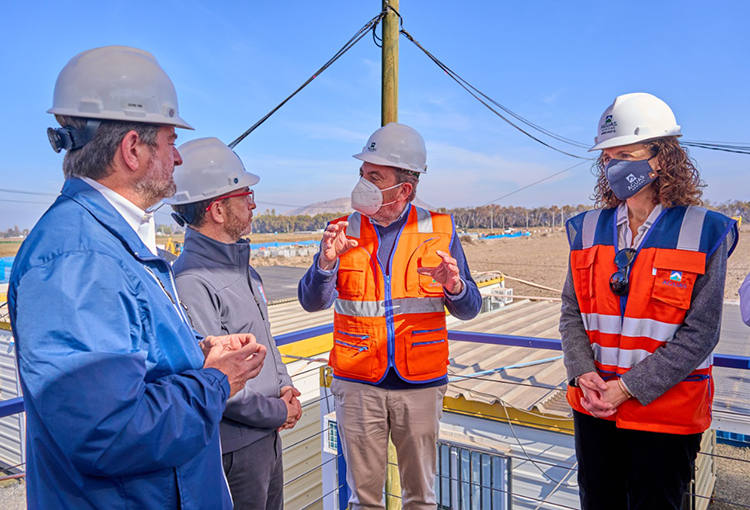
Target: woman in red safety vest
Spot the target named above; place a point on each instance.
(641, 312)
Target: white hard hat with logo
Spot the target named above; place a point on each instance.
(209, 169)
(396, 145)
(634, 118)
(117, 83)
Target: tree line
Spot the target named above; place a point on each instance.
(493, 217)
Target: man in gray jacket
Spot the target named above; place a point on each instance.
(224, 294)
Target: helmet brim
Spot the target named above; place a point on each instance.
(175, 121)
(619, 141)
(377, 160)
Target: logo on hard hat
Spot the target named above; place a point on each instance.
(372, 147)
(608, 126)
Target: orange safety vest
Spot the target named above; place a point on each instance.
(624, 331)
(394, 318)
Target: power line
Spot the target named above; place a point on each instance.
(535, 183)
(370, 25)
(24, 192)
(719, 146)
(484, 99)
(24, 201)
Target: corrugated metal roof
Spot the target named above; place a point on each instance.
(538, 384)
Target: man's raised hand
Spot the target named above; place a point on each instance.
(446, 273)
(334, 244)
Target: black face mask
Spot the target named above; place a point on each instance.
(626, 178)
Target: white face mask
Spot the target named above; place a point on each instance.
(367, 198)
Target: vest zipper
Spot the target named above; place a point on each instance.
(422, 331)
(414, 344)
(359, 348)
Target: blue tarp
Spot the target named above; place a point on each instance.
(5, 264)
(516, 234)
(259, 246)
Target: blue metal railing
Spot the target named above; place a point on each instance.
(13, 406)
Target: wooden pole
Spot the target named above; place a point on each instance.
(389, 113)
(389, 97)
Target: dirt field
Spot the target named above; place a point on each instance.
(542, 259)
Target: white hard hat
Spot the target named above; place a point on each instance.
(209, 169)
(634, 118)
(396, 145)
(117, 83)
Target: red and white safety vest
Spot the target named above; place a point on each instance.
(624, 331)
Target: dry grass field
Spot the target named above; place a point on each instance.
(540, 259)
(543, 257)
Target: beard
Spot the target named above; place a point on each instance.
(235, 226)
(158, 183)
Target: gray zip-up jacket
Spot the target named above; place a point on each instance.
(224, 295)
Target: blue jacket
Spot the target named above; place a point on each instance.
(119, 411)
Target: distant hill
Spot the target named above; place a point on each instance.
(339, 205)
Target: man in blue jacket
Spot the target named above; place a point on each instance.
(224, 294)
(122, 402)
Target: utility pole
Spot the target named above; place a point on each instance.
(389, 113)
(491, 219)
(389, 97)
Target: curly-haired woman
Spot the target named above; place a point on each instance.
(641, 312)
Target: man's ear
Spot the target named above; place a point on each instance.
(408, 188)
(217, 213)
(131, 150)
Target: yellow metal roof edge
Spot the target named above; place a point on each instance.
(498, 412)
(487, 283)
(308, 347)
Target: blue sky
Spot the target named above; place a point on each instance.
(558, 64)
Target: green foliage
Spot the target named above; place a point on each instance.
(268, 223)
(493, 217)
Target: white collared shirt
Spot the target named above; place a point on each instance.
(141, 221)
(625, 235)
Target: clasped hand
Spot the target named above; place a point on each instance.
(238, 356)
(289, 395)
(600, 398)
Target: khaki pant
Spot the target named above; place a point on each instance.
(365, 415)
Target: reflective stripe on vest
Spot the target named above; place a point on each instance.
(691, 229)
(424, 221)
(589, 227)
(629, 326)
(628, 358)
(355, 223)
(377, 308)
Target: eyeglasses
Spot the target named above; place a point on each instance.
(250, 194)
(618, 282)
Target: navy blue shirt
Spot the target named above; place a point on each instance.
(317, 291)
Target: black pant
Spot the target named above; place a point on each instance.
(256, 475)
(631, 469)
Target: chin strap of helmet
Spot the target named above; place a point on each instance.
(186, 217)
(69, 138)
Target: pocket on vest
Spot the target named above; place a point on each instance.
(426, 350)
(582, 262)
(675, 275)
(351, 274)
(353, 353)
